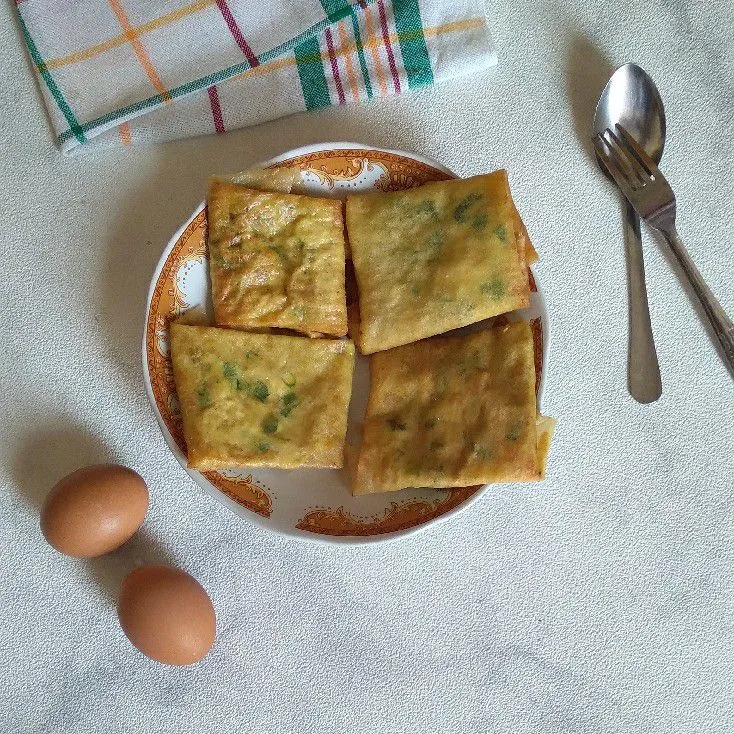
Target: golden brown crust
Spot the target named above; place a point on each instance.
(451, 411)
(434, 258)
(545, 427)
(280, 178)
(276, 260)
(527, 252)
(261, 399)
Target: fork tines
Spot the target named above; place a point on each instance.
(626, 161)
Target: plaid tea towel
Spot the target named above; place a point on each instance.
(117, 72)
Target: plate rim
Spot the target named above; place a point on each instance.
(219, 496)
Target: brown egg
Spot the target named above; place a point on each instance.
(167, 615)
(94, 510)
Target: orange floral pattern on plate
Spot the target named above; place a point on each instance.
(243, 490)
(168, 301)
(399, 516)
(400, 173)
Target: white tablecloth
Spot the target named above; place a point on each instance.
(599, 602)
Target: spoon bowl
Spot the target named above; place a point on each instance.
(631, 99)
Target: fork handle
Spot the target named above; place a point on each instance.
(721, 324)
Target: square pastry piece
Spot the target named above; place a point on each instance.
(261, 399)
(436, 257)
(453, 412)
(276, 260)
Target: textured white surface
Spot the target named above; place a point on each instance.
(598, 602)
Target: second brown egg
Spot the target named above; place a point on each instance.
(167, 614)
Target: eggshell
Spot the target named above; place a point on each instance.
(94, 510)
(167, 615)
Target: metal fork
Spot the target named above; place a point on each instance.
(650, 194)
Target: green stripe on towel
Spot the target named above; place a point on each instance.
(336, 9)
(75, 128)
(311, 73)
(409, 26)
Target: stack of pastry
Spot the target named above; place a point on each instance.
(270, 384)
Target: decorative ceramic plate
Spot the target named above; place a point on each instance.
(311, 504)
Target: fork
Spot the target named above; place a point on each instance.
(650, 194)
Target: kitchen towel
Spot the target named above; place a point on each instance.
(119, 72)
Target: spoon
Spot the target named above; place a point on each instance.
(632, 100)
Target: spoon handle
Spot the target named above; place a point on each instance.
(643, 370)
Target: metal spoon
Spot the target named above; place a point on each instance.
(632, 99)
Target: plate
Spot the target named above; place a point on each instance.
(311, 504)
